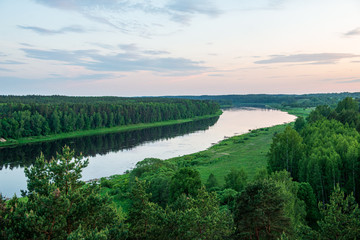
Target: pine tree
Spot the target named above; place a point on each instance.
(259, 212)
(340, 217)
(60, 205)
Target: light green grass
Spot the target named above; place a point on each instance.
(247, 151)
(299, 112)
(102, 131)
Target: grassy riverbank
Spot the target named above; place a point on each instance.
(98, 131)
(247, 151)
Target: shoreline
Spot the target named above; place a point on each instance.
(35, 139)
(245, 144)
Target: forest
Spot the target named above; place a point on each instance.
(309, 190)
(28, 116)
(276, 100)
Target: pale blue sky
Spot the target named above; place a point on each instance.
(179, 47)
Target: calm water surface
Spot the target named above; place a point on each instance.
(115, 153)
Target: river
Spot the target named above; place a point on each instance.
(117, 152)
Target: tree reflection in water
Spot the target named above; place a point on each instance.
(25, 155)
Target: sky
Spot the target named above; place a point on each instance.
(179, 47)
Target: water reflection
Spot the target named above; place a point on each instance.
(115, 153)
(25, 155)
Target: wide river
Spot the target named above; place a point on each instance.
(117, 152)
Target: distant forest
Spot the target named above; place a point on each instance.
(276, 100)
(26, 116)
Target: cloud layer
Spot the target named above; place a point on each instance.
(129, 59)
(353, 32)
(316, 58)
(113, 12)
(44, 31)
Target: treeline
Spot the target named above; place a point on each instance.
(276, 100)
(44, 115)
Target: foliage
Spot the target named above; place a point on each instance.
(285, 152)
(59, 205)
(295, 208)
(29, 116)
(340, 217)
(144, 215)
(306, 194)
(282, 100)
(187, 218)
(185, 181)
(211, 182)
(299, 124)
(236, 179)
(332, 153)
(198, 218)
(260, 213)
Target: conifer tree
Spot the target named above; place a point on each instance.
(59, 205)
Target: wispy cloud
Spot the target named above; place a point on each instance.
(350, 81)
(316, 58)
(44, 31)
(155, 52)
(10, 62)
(353, 32)
(117, 13)
(130, 59)
(26, 44)
(216, 75)
(5, 70)
(69, 57)
(183, 9)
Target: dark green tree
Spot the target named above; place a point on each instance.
(285, 152)
(306, 194)
(198, 218)
(55, 125)
(236, 179)
(144, 217)
(299, 124)
(340, 217)
(185, 181)
(211, 182)
(347, 104)
(259, 212)
(59, 204)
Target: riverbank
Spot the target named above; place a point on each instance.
(247, 151)
(13, 142)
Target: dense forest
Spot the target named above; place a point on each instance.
(309, 190)
(276, 100)
(26, 116)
